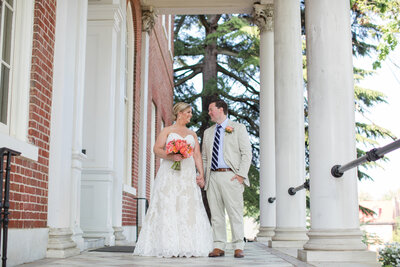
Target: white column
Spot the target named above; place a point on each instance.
(98, 175)
(64, 178)
(263, 16)
(148, 20)
(119, 151)
(77, 155)
(289, 126)
(335, 233)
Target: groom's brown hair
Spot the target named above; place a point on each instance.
(219, 103)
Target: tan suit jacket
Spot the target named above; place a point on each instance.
(237, 151)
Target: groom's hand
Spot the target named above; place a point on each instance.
(239, 178)
(200, 181)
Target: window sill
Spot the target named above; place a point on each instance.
(27, 150)
(129, 189)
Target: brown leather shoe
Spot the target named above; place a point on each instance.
(216, 253)
(238, 253)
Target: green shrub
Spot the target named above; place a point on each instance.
(390, 255)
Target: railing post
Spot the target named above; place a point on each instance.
(137, 213)
(292, 190)
(374, 154)
(5, 203)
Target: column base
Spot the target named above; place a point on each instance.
(288, 238)
(109, 238)
(286, 244)
(78, 238)
(60, 244)
(265, 234)
(120, 239)
(335, 240)
(328, 247)
(333, 258)
(290, 234)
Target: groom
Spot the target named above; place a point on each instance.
(227, 159)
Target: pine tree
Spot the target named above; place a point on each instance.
(224, 50)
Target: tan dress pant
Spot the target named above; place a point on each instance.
(222, 194)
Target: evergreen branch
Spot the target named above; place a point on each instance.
(235, 77)
(242, 99)
(227, 52)
(251, 122)
(179, 25)
(192, 67)
(193, 74)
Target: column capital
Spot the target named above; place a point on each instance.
(149, 16)
(263, 16)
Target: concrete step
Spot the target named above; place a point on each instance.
(91, 243)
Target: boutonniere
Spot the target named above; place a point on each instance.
(229, 129)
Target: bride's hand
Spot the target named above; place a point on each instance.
(176, 157)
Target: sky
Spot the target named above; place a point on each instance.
(387, 81)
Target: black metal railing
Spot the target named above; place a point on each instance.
(372, 155)
(137, 213)
(292, 190)
(6, 155)
(271, 199)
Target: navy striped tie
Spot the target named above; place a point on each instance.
(214, 161)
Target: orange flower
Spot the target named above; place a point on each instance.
(229, 129)
(179, 147)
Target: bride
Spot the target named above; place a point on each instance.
(176, 224)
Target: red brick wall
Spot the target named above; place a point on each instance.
(160, 92)
(128, 209)
(29, 180)
(137, 24)
(128, 201)
(161, 83)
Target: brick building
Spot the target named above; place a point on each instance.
(86, 85)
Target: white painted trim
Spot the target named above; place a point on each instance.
(144, 90)
(129, 189)
(26, 245)
(130, 234)
(130, 61)
(169, 35)
(27, 150)
(22, 58)
(163, 23)
(111, 13)
(152, 142)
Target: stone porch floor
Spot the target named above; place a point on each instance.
(257, 254)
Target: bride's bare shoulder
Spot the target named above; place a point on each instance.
(193, 133)
(166, 131)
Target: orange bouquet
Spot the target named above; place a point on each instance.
(179, 147)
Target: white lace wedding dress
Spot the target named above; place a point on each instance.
(176, 223)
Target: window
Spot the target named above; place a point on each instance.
(16, 35)
(6, 41)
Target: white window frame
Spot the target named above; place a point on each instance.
(4, 128)
(14, 135)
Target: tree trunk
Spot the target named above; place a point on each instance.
(210, 73)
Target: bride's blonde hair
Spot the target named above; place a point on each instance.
(179, 107)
